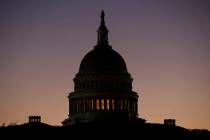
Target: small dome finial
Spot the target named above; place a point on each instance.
(102, 31)
(102, 16)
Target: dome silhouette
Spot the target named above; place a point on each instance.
(102, 87)
(103, 60)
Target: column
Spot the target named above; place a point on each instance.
(105, 103)
(125, 105)
(128, 104)
(99, 103)
(87, 104)
(92, 105)
(116, 104)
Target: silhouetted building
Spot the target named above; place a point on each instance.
(34, 119)
(35, 122)
(102, 87)
(103, 95)
(170, 122)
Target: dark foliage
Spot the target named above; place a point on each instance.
(102, 131)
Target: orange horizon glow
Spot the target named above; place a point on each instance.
(165, 45)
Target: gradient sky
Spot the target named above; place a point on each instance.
(165, 43)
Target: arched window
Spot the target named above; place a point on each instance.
(107, 104)
(102, 104)
(97, 104)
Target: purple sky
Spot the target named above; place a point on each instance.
(165, 43)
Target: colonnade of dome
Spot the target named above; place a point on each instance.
(106, 104)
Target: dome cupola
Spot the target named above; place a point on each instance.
(103, 59)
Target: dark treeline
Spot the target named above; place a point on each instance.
(101, 131)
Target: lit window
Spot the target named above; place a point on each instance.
(102, 104)
(97, 104)
(112, 104)
(107, 104)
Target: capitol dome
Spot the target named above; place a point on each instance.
(102, 87)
